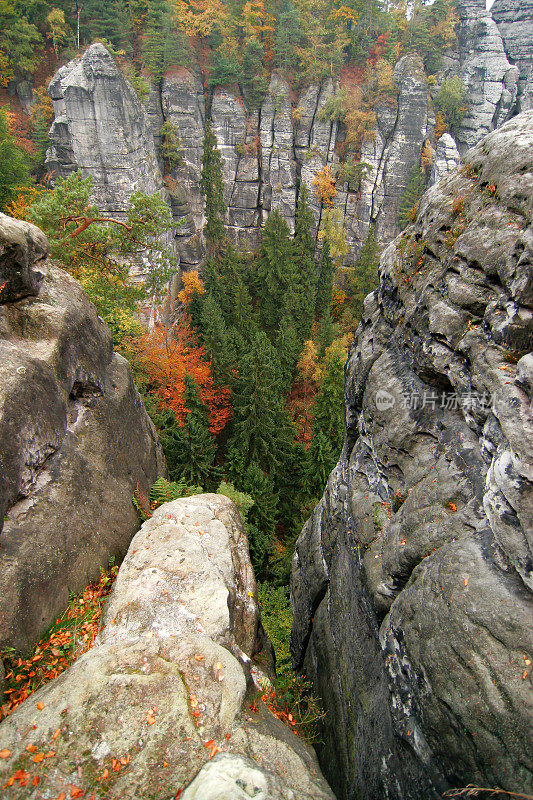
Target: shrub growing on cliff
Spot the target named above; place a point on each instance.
(452, 101)
(97, 250)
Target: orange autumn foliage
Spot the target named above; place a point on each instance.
(324, 184)
(192, 284)
(167, 358)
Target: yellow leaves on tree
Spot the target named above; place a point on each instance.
(332, 230)
(440, 125)
(199, 17)
(324, 184)
(426, 159)
(192, 284)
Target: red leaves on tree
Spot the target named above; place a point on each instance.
(167, 358)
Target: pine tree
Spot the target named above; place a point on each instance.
(305, 267)
(408, 206)
(212, 188)
(325, 283)
(261, 430)
(275, 281)
(194, 447)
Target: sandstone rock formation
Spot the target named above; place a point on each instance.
(168, 684)
(100, 128)
(267, 154)
(514, 19)
(74, 439)
(411, 582)
(483, 65)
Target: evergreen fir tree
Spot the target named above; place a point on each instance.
(212, 189)
(322, 458)
(261, 430)
(325, 282)
(364, 277)
(305, 267)
(194, 444)
(275, 280)
(288, 349)
(215, 337)
(408, 206)
(328, 408)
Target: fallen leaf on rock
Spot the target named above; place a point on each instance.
(56, 733)
(150, 720)
(199, 658)
(5, 753)
(38, 758)
(40, 706)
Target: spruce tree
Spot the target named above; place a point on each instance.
(305, 267)
(212, 188)
(288, 349)
(364, 277)
(261, 430)
(328, 408)
(194, 444)
(408, 206)
(215, 337)
(322, 458)
(325, 282)
(275, 280)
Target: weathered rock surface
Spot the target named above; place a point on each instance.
(411, 583)
(483, 65)
(100, 127)
(74, 439)
(168, 682)
(267, 155)
(514, 19)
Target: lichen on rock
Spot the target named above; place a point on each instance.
(411, 582)
(168, 684)
(74, 439)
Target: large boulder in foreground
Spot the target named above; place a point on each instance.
(411, 583)
(169, 683)
(75, 439)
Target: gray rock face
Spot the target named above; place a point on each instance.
(169, 682)
(100, 128)
(22, 249)
(74, 441)
(402, 127)
(411, 583)
(514, 19)
(446, 156)
(491, 80)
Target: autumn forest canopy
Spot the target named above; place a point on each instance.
(245, 382)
